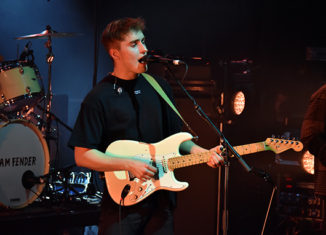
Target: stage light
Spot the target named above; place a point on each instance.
(238, 103)
(308, 161)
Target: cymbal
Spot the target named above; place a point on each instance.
(48, 33)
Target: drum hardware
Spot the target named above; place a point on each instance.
(56, 118)
(72, 183)
(70, 186)
(27, 53)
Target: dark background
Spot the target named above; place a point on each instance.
(275, 35)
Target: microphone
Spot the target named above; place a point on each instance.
(29, 179)
(160, 59)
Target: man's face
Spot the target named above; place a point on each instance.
(132, 48)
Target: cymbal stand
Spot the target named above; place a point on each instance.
(46, 129)
(49, 60)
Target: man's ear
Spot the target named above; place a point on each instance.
(114, 53)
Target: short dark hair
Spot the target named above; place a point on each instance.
(117, 30)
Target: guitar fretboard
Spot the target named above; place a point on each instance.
(251, 148)
(188, 160)
(195, 159)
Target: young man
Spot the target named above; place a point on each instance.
(313, 136)
(124, 106)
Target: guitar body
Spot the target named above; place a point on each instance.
(165, 156)
(155, 154)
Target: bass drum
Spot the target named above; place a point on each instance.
(24, 156)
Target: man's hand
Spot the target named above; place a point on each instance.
(141, 170)
(215, 159)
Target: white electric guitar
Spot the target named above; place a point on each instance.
(165, 156)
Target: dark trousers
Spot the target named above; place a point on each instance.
(151, 216)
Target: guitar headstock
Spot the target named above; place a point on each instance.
(281, 145)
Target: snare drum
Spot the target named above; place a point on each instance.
(20, 85)
(23, 151)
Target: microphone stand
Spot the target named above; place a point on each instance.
(226, 145)
(229, 149)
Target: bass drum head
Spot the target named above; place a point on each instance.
(22, 149)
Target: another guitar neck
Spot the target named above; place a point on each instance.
(195, 159)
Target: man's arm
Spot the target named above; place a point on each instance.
(96, 160)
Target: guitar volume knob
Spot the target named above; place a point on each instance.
(133, 197)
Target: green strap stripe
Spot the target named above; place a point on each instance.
(159, 90)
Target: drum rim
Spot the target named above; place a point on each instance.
(36, 97)
(11, 64)
(39, 135)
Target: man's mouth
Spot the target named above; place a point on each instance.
(142, 60)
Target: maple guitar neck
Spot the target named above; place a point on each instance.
(195, 159)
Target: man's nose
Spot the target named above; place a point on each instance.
(142, 48)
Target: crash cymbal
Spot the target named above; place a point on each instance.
(48, 33)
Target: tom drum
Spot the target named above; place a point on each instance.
(20, 85)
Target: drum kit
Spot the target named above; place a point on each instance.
(24, 152)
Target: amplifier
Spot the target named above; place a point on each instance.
(299, 200)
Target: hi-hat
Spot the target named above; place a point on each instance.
(48, 33)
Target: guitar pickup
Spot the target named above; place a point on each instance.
(156, 175)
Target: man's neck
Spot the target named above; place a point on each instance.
(124, 75)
